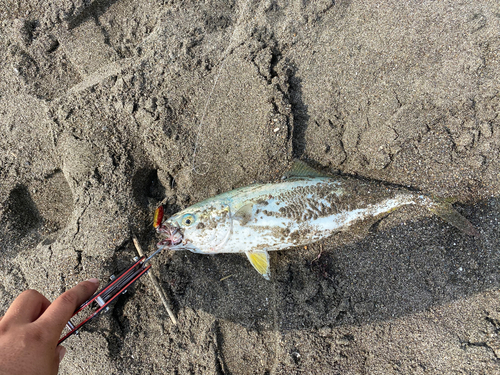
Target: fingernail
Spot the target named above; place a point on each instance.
(62, 353)
(94, 280)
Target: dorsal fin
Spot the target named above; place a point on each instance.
(301, 169)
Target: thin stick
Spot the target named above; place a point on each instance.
(156, 284)
(226, 277)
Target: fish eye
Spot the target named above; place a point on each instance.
(188, 220)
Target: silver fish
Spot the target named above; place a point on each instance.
(305, 207)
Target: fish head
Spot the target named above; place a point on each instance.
(202, 228)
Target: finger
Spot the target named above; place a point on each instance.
(26, 308)
(61, 310)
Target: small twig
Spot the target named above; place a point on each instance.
(226, 277)
(156, 284)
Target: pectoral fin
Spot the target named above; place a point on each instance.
(244, 214)
(260, 261)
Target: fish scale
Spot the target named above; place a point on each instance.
(306, 225)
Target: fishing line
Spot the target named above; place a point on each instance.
(195, 169)
(227, 51)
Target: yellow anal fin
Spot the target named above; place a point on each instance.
(446, 212)
(260, 261)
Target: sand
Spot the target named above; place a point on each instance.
(109, 108)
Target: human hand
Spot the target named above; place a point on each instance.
(31, 327)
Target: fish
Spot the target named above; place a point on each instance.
(304, 207)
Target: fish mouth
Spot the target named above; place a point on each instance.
(173, 235)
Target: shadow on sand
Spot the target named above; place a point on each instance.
(390, 273)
